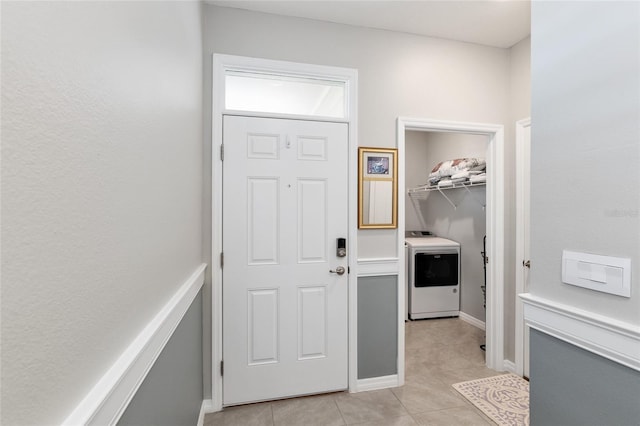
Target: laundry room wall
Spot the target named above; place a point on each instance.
(466, 223)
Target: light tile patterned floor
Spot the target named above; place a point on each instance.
(439, 352)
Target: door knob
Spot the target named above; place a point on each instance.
(339, 270)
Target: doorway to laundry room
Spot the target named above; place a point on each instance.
(453, 182)
(445, 234)
(445, 174)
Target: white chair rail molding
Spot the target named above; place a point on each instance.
(612, 339)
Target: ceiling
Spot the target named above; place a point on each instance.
(498, 23)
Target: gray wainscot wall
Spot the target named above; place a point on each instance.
(571, 386)
(172, 392)
(377, 326)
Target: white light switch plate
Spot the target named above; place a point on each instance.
(601, 273)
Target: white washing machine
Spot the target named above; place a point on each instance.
(433, 278)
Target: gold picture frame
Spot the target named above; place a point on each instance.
(377, 188)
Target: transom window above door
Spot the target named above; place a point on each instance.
(282, 94)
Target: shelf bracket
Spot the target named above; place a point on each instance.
(448, 199)
(482, 201)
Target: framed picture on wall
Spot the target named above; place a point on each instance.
(377, 185)
(378, 164)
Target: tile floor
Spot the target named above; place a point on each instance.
(439, 352)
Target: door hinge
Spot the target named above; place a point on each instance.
(486, 260)
(348, 269)
(222, 368)
(221, 260)
(221, 152)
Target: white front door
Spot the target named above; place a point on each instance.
(285, 197)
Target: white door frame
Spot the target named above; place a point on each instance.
(495, 219)
(522, 156)
(222, 63)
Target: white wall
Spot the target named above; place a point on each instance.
(101, 188)
(467, 223)
(585, 151)
(416, 171)
(520, 79)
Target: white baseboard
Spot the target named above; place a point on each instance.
(206, 408)
(472, 320)
(376, 383)
(107, 401)
(509, 366)
(607, 337)
(201, 415)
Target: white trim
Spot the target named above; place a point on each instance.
(205, 408)
(236, 113)
(521, 206)
(201, 415)
(472, 320)
(509, 366)
(378, 267)
(403, 296)
(107, 401)
(217, 100)
(615, 340)
(350, 78)
(375, 383)
(352, 95)
(495, 223)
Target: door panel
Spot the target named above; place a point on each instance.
(263, 220)
(284, 204)
(262, 323)
(312, 220)
(312, 322)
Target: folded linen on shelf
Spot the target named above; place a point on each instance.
(444, 183)
(478, 178)
(461, 175)
(460, 168)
